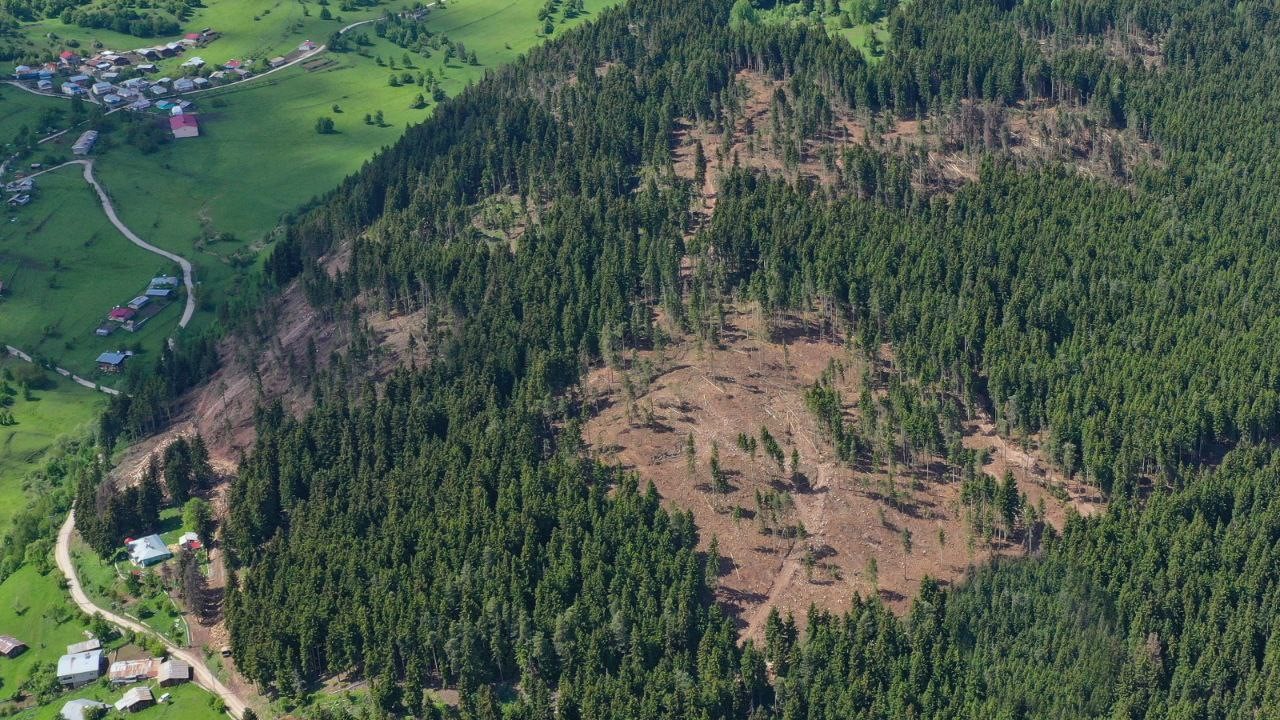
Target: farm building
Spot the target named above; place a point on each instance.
(11, 646)
(184, 126)
(147, 551)
(20, 200)
(173, 672)
(81, 668)
(276, 62)
(79, 79)
(123, 672)
(85, 142)
(44, 85)
(120, 314)
(183, 85)
(146, 68)
(111, 362)
(140, 105)
(159, 292)
(84, 646)
(135, 699)
(75, 709)
(158, 89)
(306, 46)
(189, 541)
(139, 302)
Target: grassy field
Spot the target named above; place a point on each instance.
(858, 34)
(64, 267)
(187, 702)
(63, 409)
(20, 109)
(215, 199)
(35, 609)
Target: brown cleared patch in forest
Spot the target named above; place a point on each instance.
(640, 418)
(942, 151)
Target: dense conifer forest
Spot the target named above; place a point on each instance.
(443, 528)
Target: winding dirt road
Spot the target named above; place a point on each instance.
(110, 210)
(202, 675)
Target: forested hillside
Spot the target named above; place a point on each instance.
(443, 529)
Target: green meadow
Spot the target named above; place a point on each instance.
(64, 267)
(20, 109)
(216, 199)
(34, 608)
(41, 418)
(836, 18)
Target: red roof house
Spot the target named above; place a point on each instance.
(121, 314)
(192, 36)
(184, 126)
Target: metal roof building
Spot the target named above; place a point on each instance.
(148, 551)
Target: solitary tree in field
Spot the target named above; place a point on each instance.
(324, 125)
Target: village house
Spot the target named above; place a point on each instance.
(75, 709)
(184, 126)
(11, 646)
(92, 643)
(183, 85)
(80, 668)
(85, 142)
(306, 46)
(101, 88)
(44, 85)
(111, 362)
(189, 541)
(200, 82)
(112, 99)
(69, 88)
(120, 314)
(173, 672)
(123, 672)
(147, 551)
(79, 79)
(135, 699)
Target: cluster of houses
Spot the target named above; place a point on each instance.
(85, 662)
(108, 65)
(119, 78)
(20, 191)
(134, 314)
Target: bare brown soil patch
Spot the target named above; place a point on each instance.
(846, 512)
